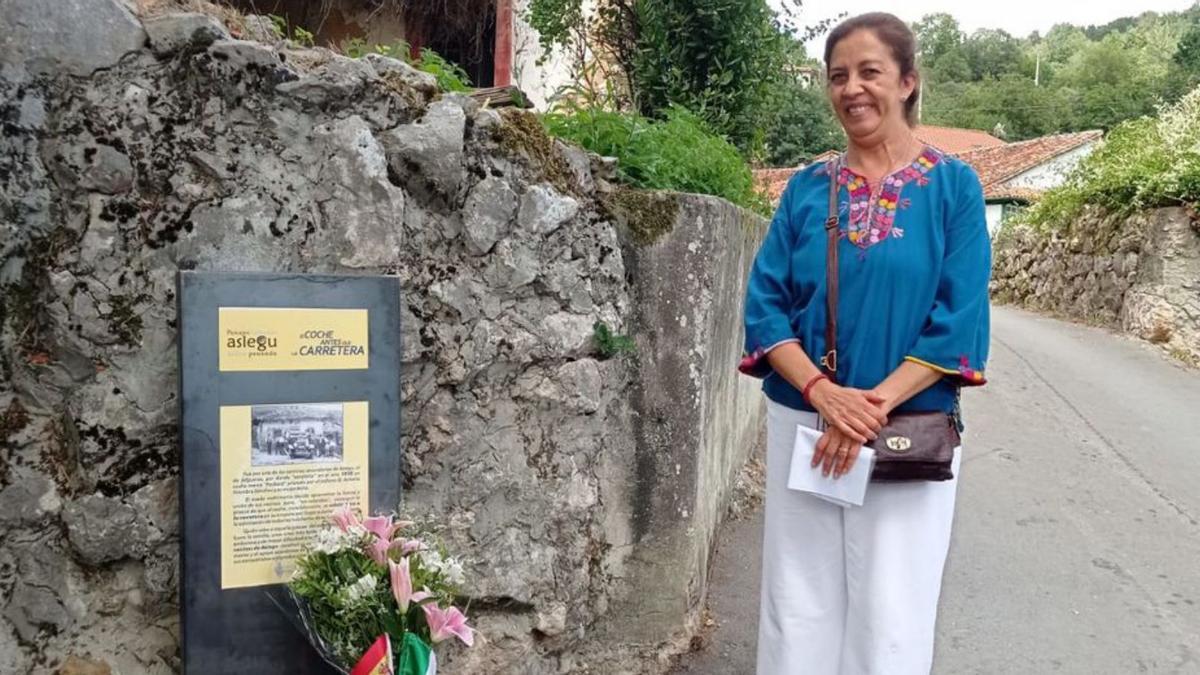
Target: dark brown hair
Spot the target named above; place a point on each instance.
(892, 32)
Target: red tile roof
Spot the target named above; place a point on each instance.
(998, 165)
(772, 182)
(955, 141)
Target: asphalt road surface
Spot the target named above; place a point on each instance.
(1076, 544)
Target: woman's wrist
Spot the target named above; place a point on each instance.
(813, 386)
(890, 401)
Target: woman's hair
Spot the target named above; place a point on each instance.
(892, 32)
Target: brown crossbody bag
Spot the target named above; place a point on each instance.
(911, 446)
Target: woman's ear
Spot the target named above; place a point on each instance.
(908, 84)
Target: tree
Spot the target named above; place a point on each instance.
(1111, 85)
(1183, 73)
(991, 53)
(940, 41)
(721, 59)
(801, 125)
(1061, 43)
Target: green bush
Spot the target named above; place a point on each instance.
(677, 153)
(1143, 163)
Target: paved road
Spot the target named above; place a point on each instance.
(1077, 537)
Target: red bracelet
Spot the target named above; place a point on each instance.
(808, 387)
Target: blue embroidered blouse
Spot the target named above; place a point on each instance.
(914, 266)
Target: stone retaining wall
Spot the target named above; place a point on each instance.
(1139, 274)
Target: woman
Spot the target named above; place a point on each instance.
(856, 590)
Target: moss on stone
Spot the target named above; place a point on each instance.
(12, 420)
(521, 133)
(412, 98)
(647, 214)
(21, 304)
(123, 321)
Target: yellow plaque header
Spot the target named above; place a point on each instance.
(292, 338)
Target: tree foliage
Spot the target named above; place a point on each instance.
(1073, 78)
(799, 126)
(721, 59)
(732, 64)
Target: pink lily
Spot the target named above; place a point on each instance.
(410, 545)
(380, 526)
(402, 585)
(378, 550)
(446, 623)
(344, 517)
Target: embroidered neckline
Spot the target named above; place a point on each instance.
(872, 219)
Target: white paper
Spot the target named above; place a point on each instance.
(848, 490)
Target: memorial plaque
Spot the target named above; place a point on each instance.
(290, 405)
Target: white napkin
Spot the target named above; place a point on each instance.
(846, 491)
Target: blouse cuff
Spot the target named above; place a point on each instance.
(964, 375)
(756, 364)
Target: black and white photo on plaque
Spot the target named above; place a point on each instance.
(292, 433)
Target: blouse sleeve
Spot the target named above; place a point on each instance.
(954, 340)
(768, 295)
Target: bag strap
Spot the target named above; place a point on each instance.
(829, 360)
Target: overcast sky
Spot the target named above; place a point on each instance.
(1019, 17)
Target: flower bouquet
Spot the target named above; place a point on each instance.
(353, 596)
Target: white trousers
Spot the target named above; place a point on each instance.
(849, 591)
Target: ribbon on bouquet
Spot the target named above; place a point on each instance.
(416, 658)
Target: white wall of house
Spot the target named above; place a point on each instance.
(1053, 173)
(539, 81)
(994, 214)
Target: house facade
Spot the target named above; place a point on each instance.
(1016, 174)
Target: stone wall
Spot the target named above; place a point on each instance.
(690, 282)
(1139, 274)
(574, 483)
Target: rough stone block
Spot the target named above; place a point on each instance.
(433, 145)
(488, 214)
(75, 37)
(102, 529)
(170, 33)
(543, 210)
(29, 502)
(418, 80)
(336, 81)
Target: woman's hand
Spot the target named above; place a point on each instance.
(857, 414)
(836, 451)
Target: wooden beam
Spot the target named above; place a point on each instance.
(502, 75)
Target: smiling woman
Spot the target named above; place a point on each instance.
(882, 53)
(855, 590)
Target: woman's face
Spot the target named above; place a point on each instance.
(866, 88)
